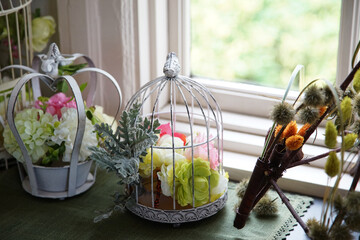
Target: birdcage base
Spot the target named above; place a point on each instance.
(62, 194)
(177, 216)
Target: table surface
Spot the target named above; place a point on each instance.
(19, 217)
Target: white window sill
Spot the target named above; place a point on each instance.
(243, 140)
(301, 179)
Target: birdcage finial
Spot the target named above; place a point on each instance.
(172, 66)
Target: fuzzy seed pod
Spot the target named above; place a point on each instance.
(357, 104)
(332, 165)
(328, 95)
(304, 128)
(356, 81)
(352, 220)
(266, 207)
(237, 205)
(241, 187)
(308, 115)
(330, 135)
(290, 129)
(316, 230)
(277, 130)
(349, 93)
(313, 96)
(283, 113)
(339, 204)
(340, 232)
(294, 142)
(356, 127)
(350, 140)
(353, 202)
(346, 109)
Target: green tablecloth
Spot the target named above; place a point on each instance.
(23, 216)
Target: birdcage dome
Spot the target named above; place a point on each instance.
(182, 175)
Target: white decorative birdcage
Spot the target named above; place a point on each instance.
(182, 177)
(75, 177)
(15, 48)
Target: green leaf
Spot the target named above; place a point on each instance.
(83, 86)
(62, 86)
(62, 148)
(89, 115)
(70, 69)
(46, 160)
(37, 13)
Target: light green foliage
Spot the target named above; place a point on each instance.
(122, 150)
(262, 41)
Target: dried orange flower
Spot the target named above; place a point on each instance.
(277, 130)
(290, 130)
(294, 142)
(304, 128)
(322, 110)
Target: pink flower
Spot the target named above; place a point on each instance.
(38, 104)
(166, 129)
(56, 103)
(201, 151)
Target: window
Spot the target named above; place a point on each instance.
(246, 106)
(261, 42)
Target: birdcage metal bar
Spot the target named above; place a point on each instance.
(18, 39)
(191, 139)
(207, 142)
(219, 121)
(159, 89)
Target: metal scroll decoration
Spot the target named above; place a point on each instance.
(76, 176)
(177, 216)
(181, 102)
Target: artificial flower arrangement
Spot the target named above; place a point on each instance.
(205, 167)
(48, 131)
(127, 152)
(283, 150)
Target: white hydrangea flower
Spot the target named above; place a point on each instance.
(34, 127)
(217, 191)
(66, 131)
(164, 177)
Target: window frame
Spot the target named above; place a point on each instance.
(179, 42)
(258, 100)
